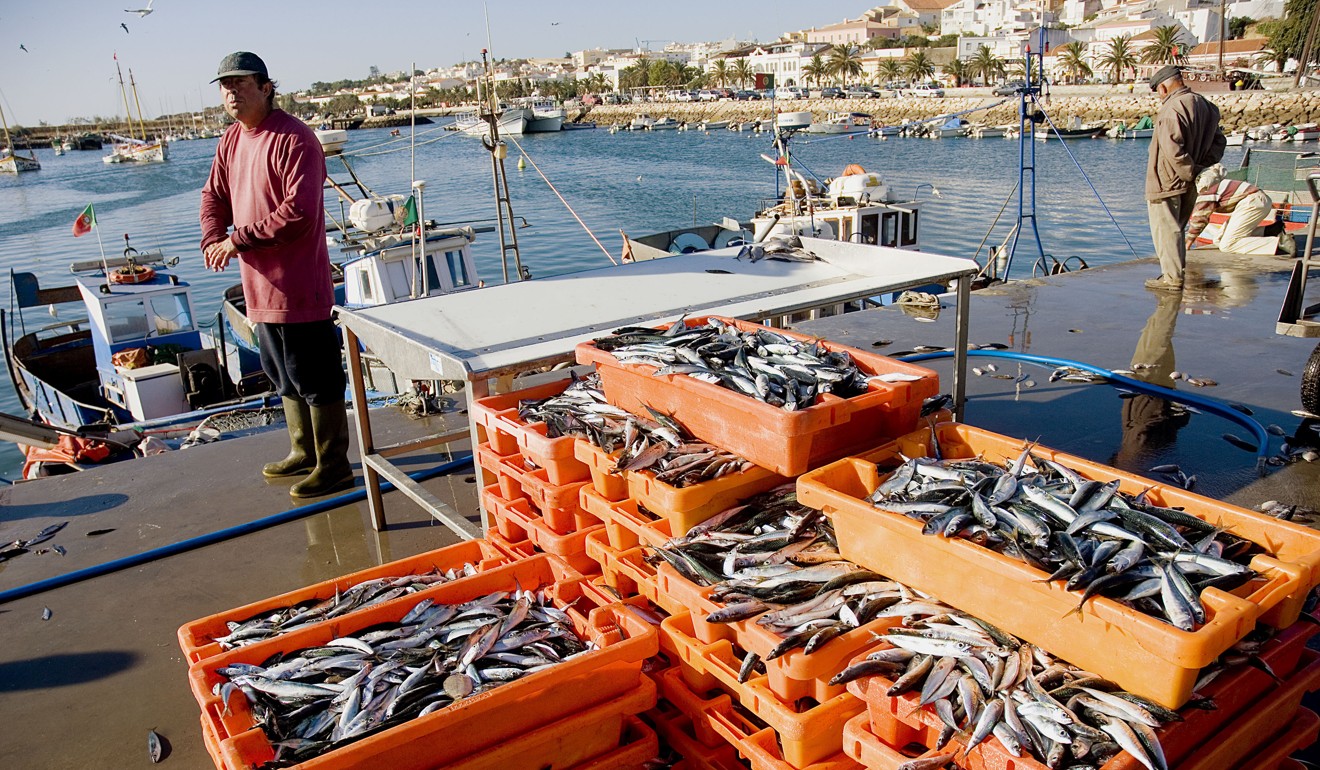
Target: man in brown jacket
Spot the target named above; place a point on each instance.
(1187, 139)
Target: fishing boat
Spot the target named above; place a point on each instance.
(857, 206)
(1235, 138)
(841, 123)
(712, 125)
(135, 149)
(512, 120)
(952, 127)
(885, 131)
(663, 124)
(547, 117)
(1306, 132)
(987, 132)
(586, 124)
(1079, 132)
(1144, 129)
(127, 352)
(11, 160)
(640, 122)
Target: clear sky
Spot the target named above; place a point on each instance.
(68, 68)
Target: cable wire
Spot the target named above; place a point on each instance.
(550, 184)
(1062, 141)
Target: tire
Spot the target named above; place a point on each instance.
(1311, 383)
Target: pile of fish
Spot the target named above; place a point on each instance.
(660, 445)
(783, 248)
(775, 558)
(274, 622)
(1100, 541)
(318, 699)
(984, 683)
(763, 364)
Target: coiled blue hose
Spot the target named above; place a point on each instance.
(283, 517)
(1203, 403)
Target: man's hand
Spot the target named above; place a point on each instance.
(218, 255)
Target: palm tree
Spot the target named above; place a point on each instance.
(1167, 48)
(742, 72)
(815, 70)
(1072, 58)
(720, 72)
(958, 70)
(1118, 58)
(985, 65)
(889, 69)
(917, 66)
(1272, 55)
(845, 62)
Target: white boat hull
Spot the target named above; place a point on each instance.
(156, 152)
(664, 126)
(511, 122)
(544, 125)
(17, 164)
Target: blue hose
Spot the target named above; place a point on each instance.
(293, 514)
(1203, 403)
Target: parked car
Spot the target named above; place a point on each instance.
(787, 92)
(860, 92)
(828, 92)
(1008, 89)
(747, 96)
(927, 90)
(707, 95)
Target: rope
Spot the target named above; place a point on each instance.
(994, 223)
(362, 152)
(549, 184)
(1063, 142)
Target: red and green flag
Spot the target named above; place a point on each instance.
(85, 222)
(410, 211)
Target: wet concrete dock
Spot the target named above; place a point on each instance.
(81, 690)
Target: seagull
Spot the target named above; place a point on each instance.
(23, 48)
(125, 26)
(554, 24)
(141, 11)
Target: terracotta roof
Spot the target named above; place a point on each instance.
(1243, 45)
(1147, 35)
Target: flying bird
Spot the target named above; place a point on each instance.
(23, 47)
(141, 11)
(554, 24)
(125, 26)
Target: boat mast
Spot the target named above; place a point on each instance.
(1029, 116)
(141, 125)
(498, 152)
(128, 113)
(9, 143)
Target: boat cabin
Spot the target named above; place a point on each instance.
(385, 269)
(137, 355)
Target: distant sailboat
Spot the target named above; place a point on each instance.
(11, 162)
(134, 149)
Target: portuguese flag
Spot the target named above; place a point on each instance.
(85, 222)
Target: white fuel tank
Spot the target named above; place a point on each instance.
(372, 214)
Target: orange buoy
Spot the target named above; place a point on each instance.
(132, 274)
(852, 169)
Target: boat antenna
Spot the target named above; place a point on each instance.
(1029, 114)
(498, 152)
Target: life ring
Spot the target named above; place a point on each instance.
(132, 274)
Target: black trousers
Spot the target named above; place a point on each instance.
(303, 360)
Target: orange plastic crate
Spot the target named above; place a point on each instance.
(196, 638)
(211, 743)
(1275, 726)
(683, 508)
(609, 485)
(677, 730)
(792, 675)
(761, 746)
(618, 574)
(625, 525)
(558, 505)
(571, 548)
(863, 746)
(805, 737)
(900, 721)
(787, 443)
(491, 464)
(1141, 653)
(578, 740)
(498, 520)
(470, 725)
(515, 551)
(508, 433)
(639, 745)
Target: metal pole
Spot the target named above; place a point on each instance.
(1223, 23)
(962, 320)
(1306, 47)
(419, 237)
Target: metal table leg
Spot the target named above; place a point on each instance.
(362, 421)
(963, 321)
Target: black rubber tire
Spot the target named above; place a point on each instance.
(1311, 383)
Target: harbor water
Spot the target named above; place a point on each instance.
(635, 182)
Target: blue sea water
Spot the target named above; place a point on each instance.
(636, 182)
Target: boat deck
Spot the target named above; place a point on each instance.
(83, 688)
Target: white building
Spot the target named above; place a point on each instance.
(783, 60)
(984, 18)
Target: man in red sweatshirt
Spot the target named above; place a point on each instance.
(262, 205)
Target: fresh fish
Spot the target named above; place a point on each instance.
(155, 748)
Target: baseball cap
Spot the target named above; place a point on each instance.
(1164, 73)
(241, 63)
